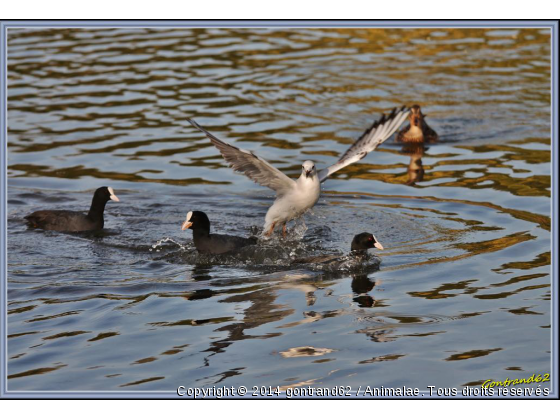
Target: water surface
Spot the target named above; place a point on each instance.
(463, 291)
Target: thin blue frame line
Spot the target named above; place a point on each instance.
(3, 209)
(554, 185)
(552, 25)
(283, 24)
(554, 205)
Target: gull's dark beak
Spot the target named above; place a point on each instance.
(307, 174)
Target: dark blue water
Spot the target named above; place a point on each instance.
(463, 291)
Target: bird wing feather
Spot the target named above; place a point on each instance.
(254, 167)
(376, 134)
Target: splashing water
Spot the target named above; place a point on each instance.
(160, 242)
(294, 233)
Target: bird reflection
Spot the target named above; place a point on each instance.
(258, 299)
(201, 272)
(200, 294)
(361, 285)
(415, 170)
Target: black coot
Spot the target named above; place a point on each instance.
(207, 243)
(360, 244)
(74, 221)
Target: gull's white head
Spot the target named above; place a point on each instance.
(308, 169)
(112, 195)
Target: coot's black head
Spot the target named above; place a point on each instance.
(105, 194)
(364, 241)
(196, 220)
(100, 198)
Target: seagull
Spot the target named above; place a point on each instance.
(295, 197)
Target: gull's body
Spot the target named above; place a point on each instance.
(295, 197)
(301, 198)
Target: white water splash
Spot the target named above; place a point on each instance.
(166, 240)
(294, 233)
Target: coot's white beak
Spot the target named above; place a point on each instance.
(378, 245)
(113, 196)
(187, 223)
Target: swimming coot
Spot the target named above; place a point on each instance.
(207, 243)
(360, 244)
(74, 221)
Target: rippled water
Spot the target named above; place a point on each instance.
(463, 291)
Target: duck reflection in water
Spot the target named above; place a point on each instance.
(415, 172)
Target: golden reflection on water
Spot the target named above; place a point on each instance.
(110, 105)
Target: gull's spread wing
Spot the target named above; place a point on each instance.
(380, 131)
(257, 169)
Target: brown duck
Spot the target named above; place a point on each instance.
(418, 130)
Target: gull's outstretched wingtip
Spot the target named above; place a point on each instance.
(193, 122)
(400, 110)
(197, 126)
